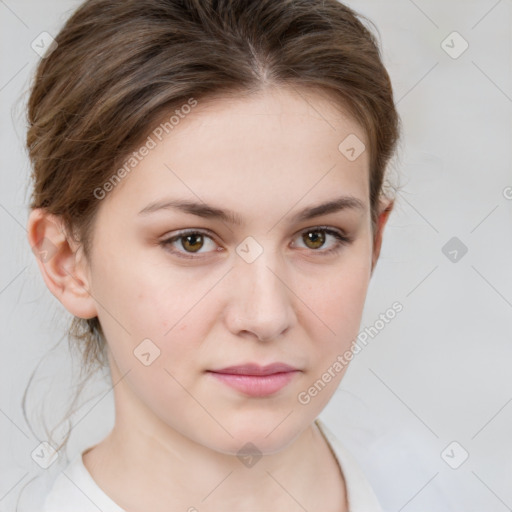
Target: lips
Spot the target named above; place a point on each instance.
(256, 370)
(254, 380)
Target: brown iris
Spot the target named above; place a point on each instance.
(190, 242)
(316, 238)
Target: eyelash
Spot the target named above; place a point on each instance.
(341, 240)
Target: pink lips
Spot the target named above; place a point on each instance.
(254, 380)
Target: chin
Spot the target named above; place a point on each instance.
(264, 435)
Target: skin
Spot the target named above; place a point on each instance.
(178, 429)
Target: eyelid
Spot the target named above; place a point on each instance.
(320, 227)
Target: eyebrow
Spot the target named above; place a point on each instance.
(211, 212)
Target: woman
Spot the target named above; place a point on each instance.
(208, 203)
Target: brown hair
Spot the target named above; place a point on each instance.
(120, 65)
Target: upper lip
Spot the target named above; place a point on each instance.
(255, 369)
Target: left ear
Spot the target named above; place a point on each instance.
(385, 208)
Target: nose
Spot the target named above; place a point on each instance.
(260, 301)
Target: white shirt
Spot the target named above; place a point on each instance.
(75, 490)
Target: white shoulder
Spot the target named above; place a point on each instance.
(75, 490)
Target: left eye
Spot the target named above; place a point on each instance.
(316, 238)
(192, 242)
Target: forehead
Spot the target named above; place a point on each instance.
(281, 144)
(293, 114)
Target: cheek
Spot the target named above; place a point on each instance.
(140, 297)
(155, 336)
(144, 296)
(337, 299)
(171, 310)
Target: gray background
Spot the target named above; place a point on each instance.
(438, 373)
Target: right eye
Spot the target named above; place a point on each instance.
(191, 241)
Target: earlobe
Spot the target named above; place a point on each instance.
(384, 211)
(63, 267)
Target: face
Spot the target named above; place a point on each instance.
(245, 271)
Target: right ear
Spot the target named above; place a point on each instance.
(63, 266)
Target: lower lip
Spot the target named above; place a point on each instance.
(256, 385)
